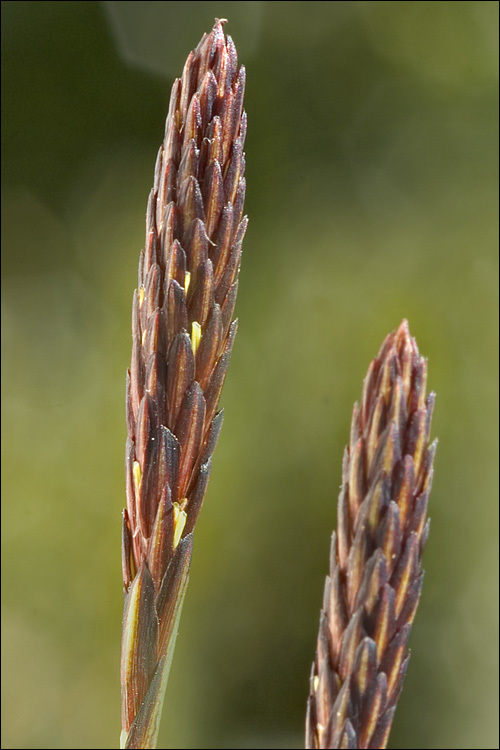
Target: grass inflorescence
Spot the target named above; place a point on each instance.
(182, 336)
(375, 577)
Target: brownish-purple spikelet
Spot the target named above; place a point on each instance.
(375, 579)
(182, 325)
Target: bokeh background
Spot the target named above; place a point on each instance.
(372, 196)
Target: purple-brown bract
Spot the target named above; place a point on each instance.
(183, 333)
(375, 577)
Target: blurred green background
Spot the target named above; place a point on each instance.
(372, 196)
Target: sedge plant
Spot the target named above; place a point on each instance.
(182, 335)
(375, 572)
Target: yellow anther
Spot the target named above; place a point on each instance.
(137, 475)
(141, 296)
(195, 336)
(315, 682)
(180, 517)
(187, 280)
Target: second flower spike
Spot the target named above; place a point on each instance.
(375, 576)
